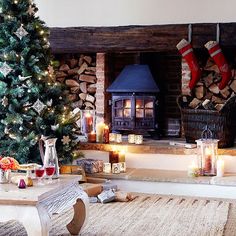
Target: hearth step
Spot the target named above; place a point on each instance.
(172, 182)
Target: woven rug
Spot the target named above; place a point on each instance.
(147, 215)
(155, 215)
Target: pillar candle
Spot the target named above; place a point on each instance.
(106, 134)
(220, 168)
(92, 137)
(113, 157)
(122, 156)
(99, 132)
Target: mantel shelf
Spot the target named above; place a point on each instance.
(153, 147)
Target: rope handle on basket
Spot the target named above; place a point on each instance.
(206, 133)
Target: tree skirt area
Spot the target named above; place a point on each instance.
(148, 215)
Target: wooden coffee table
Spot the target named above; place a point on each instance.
(34, 206)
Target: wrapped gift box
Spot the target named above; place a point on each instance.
(91, 166)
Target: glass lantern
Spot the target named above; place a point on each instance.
(207, 149)
(87, 121)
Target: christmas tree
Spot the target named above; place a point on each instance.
(31, 101)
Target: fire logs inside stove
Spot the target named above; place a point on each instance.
(134, 100)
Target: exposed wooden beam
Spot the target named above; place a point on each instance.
(158, 38)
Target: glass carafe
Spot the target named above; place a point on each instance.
(50, 156)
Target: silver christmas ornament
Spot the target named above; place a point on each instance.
(54, 127)
(23, 78)
(49, 103)
(21, 32)
(5, 69)
(21, 128)
(6, 130)
(5, 101)
(38, 106)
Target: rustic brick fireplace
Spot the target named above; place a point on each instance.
(116, 47)
(99, 70)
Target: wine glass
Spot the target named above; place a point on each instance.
(50, 170)
(39, 173)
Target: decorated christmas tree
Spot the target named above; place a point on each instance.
(31, 101)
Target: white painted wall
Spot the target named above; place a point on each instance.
(160, 161)
(65, 13)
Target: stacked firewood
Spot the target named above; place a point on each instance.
(206, 94)
(79, 74)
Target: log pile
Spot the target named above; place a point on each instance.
(79, 74)
(206, 94)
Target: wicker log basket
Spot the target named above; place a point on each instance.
(222, 123)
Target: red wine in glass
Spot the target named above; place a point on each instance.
(39, 174)
(50, 170)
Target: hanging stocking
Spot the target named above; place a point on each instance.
(218, 57)
(186, 51)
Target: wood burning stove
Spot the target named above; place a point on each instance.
(134, 100)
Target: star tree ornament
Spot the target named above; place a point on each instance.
(31, 10)
(21, 32)
(5, 101)
(38, 106)
(5, 69)
(65, 140)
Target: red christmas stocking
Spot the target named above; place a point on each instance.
(215, 52)
(186, 51)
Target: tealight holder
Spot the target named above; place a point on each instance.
(119, 138)
(107, 167)
(122, 167)
(112, 137)
(116, 168)
(138, 139)
(131, 138)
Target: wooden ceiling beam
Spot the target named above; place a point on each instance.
(158, 38)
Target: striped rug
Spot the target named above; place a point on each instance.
(146, 215)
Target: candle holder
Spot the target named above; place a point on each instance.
(119, 138)
(207, 149)
(122, 167)
(138, 139)
(87, 121)
(116, 168)
(92, 137)
(112, 137)
(107, 167)
(131, 138)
